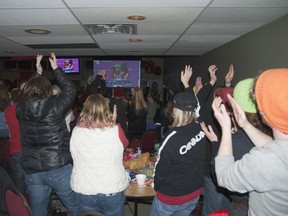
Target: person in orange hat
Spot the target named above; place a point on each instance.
(263, 171)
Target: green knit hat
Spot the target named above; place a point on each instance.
(243, 97)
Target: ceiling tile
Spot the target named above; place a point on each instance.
(153, 15)
(56, 30)
(37, 4)
(164, 29)
(36, 17)
(247, 15)
(249, 3)
(136, 3)
(220, 29)
(56, 39)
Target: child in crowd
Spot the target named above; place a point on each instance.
(97, 145)
(179, 172)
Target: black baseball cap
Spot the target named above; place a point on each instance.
(185, 101)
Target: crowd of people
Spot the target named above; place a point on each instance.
(233, 153)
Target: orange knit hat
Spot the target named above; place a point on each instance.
(271, 93)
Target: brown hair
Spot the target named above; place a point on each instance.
(154, 92)
(15, 95)
(4, 97)
(37, 88)
(256, 120)
(96, 112)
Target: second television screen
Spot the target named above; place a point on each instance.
(124, 73)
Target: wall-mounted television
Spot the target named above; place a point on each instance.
(69, 65)
(124, 73)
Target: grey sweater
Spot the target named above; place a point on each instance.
(263, 172)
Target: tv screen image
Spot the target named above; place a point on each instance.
(69, 65)
(124, 73)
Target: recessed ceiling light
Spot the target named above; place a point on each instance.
(135, 40)
(37, 31)
(136, 17)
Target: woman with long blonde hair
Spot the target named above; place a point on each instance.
(137, 112)
(97, 145)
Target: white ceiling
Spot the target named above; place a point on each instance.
(171, 27)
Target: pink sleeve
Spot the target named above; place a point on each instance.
(122, 136)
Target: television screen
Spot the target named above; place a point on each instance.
(69, 65)
(124, 73)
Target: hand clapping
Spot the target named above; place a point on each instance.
(53, 61)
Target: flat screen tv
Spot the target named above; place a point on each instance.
(124, 73)
(69, 65)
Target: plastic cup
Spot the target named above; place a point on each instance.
(141, 178)
(156, 147)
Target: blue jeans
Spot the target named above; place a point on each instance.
(18, 172)
(214, 197)
(40, 185)
(107, 204)
(161, 209)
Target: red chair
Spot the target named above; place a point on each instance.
(149, 139)
(223, 212)
(16, 203)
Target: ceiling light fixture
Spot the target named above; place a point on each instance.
(135, 40)
(130, 29)
(136, 17)
(37, 31)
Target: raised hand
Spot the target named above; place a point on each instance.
(221, 114)
(212, 72)
(114, 117)
(186, 75)
(198, 84)
(53, 61)
(102, 73)
(229, 76)
(239, 113)
(209, 132)
(38, 64)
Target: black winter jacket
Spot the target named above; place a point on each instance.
(44, 135)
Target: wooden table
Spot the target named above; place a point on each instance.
(139, 192)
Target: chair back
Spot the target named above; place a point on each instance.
(16, 203)
(149, 139)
